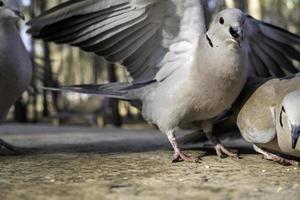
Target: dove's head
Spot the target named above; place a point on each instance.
(227, 27)
(289, 117)
(10, 9)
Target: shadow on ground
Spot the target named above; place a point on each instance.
(48, 139)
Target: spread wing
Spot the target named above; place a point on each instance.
(272, 51)
(146, 36)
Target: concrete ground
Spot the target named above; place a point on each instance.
(89, 163)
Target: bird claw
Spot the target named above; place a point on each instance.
(280, 160)
(180, 156)
(273, 157)
(223, 151)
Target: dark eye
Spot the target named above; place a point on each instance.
(222, 20)
(1, 3)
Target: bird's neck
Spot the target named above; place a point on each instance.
(219, 61)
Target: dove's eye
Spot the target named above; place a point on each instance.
(1, 4)
(221, 20)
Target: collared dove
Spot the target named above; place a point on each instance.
(15, 61)
(182, 72)
(267, 114)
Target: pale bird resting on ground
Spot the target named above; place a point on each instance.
(267, 114)
(182, 72)
(15, 61)
(269, 117)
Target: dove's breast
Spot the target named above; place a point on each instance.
(218, 77)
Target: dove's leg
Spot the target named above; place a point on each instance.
(10, 147)
(220, 149)
(274, 157)
(178, 154)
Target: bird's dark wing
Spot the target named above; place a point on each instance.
(146, 36)
(272, 51)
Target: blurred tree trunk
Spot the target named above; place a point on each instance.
(96, 68)
(113, 103)
(33, 95)
(230, 3)
(20, 113)
(242, 4)
(254, 7)
(47, 76)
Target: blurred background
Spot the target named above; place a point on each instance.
(56, 65)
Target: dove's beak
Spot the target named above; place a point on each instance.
(237, 33)
(295, 136)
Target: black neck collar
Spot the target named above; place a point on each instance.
(209, 41)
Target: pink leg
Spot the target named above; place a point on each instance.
(220, 149)
(274, 157)
(207, 126)
(178, 154)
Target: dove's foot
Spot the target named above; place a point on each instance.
(223, 151)
(8, 146)
(274, 157)
(220, 149)
(179, 155)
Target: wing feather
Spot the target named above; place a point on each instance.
(143, 35)
(271, 48)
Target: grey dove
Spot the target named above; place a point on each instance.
(181, 72)
(15, 61)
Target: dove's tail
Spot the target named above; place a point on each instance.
(122, 91)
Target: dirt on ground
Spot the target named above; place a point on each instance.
(89, 163)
